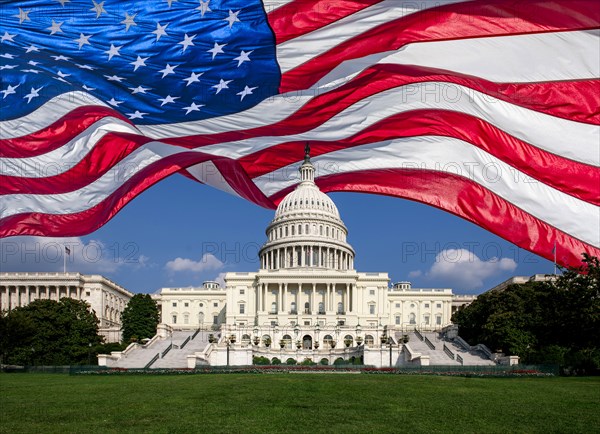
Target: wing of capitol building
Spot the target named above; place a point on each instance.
(305, 302)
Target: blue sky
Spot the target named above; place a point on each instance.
(180, 233)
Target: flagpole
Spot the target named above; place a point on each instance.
(555, 257)
(65, 261)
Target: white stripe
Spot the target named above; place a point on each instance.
(576, 217)
(271, 5)
(574, 140)
(209, 174)
(503, 59)
(67, 156)
(47, 114)
(93, 193)
(303, 48)
(437, 153)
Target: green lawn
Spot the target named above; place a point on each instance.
(303, 403)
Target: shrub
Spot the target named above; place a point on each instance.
(260, 360)
(308, 362)
(290, 361)
(324, 361)
(275, 361)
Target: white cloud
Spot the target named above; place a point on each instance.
(206, 263)
(416, 273)
(47, 254)
(462, 269)
(220, 279)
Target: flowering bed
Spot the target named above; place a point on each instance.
(474, 371)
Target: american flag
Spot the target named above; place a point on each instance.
(489, 110)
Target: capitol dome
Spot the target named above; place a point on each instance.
(307, 231)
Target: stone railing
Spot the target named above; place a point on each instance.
(459, 359)
(448, 352)
(418, 334)
(429, 343)
(460, 341)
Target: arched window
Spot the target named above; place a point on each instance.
(306, 229)
(274, 307)
(369, 341)
(293, 230)
(293, 308)
(287, 341)
(299, 229)
(286, 231)
(321, 230)
(326, 341)
(327, 231)
(245, 340)
(412, 319)
(307, 307)
(340, 307)
(321, 307)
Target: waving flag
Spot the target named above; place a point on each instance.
(489, 110)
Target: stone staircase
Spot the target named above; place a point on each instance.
(177, 356)
(445, 352)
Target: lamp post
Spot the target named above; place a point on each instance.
(228, 343)
(89, 354)
(390, 343)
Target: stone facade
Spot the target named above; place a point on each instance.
(106, 299)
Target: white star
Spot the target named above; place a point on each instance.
(8, 67)
(35, 71)
(114, 51)
(128, 21)
(33, 63)
(83, 40)
(192, 78)
(168, 100)
(23, 16)
(139, 89)
(141, 61)
(33, 94)
(32, 48)
(55, 27)
(187, 41)
(247, 91)
(8, 56)
(170, 2)
(136, 115)
(9, 90)
(91, 68)
(62, 74)
(243, 57)
(61, 57)
(160, 31)
(89, 89)
(7, 37)
(98, 8)
(62, 2)
(192, 108)
(168, 70)
(114, 102)
(222, 85)
(232, 18)
(203, 8)
(218, 48)
(114, 78)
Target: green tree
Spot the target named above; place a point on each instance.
(50, 332)
(139, 318)
(542, 322)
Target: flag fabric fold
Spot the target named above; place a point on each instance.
(489, 110)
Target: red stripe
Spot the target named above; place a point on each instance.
(573, 178)
(467, 200)
(456, 21)
(58, 133)
(578, 180)
(577, 100)
(88, 221)
(300, 17)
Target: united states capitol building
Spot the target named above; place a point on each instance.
(307, 301)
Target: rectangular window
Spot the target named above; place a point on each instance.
(242, 308)
(398, 305)
(273, 323)
(306, 323)
(397, 319)
(427, 319)
(439, 305)
(88, 293)
(174, 304)
(216, 319)
(426, 305)
(371, 292)
(438, 320)
(372, 309)
(186, 319)
(242, 291)
(216, 304)
(186, 304)
(174, 319)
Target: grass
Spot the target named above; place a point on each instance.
(315, 403)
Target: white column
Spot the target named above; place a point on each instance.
(284, 303)
(280, 298)
(313, 305)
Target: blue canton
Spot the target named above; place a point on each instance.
(156, 62)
